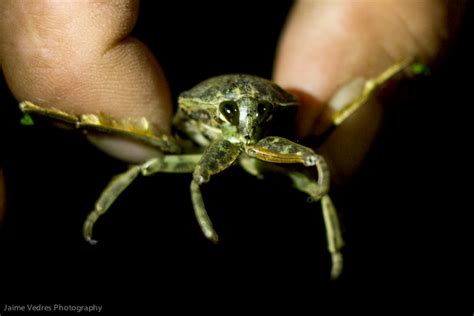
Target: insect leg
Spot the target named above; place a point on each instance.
(280, 150)
(108, 196)
(333, 235)
(139, 129)
(168, 163)
(172, 164)
(358, 91)
(335, 242)
(220, 155)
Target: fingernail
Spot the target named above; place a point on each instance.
(347, 93)
(348, 144)
(124, 149)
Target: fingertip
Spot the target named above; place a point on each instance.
(326, 45)
(310, 109)
(76, 57)
(347, 146)
(123, 149)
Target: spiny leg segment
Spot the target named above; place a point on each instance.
(305, 183)
(280, 150)
(220, 155)
(109, 195)
(137, 128)
(367, 89)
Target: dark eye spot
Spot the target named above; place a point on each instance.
(230, 110)
(264, 111)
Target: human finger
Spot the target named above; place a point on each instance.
(326, 44)
(77, 56)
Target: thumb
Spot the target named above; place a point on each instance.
(76, 56)
(326, 44)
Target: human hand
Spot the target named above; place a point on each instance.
(77, 56)
(327, 43)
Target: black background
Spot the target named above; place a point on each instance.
(403, 213)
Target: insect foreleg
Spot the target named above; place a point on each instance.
(218, 156)
(280, 150)
(335, 242)
(139, 129)
(360, 90)
(333, 235)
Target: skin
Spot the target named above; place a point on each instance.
(85, 64)
(319, 39)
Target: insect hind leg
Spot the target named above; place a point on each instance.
(305, 183)
(335, 242)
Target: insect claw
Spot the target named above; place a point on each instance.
(91, 241)
(337, 264)
(214, 238)
(87, 232)
(310, 160)
(209, 231)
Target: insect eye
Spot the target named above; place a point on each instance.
(230, 110)
(264, 111)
